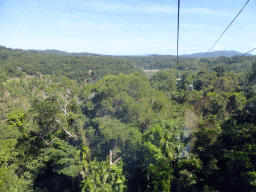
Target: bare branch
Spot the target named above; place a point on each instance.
(50, 141)
(117, 160)
(111, 163)
(68, 102)
(58, 102)
(69, 134)
(105, 180)
(110, 158)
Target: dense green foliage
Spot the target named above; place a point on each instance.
(66, 128)
(230, 64)
(18, 63)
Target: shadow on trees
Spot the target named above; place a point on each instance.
(49, 181)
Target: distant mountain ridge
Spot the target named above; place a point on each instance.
(215, 54)
(58, 52)
(194, 55)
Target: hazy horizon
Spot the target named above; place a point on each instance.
(116, 27)
(130, 54)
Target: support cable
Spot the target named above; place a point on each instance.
(178, 33)
(247, 52)
(227, 28)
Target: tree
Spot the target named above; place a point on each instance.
(46, 114)
(63, 159)
(102, 176)
(162, 147)
(63, 91)
(163, 80)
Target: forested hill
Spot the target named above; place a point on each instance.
(232, 64)
(18, 63)
(58, 52)
(194, 55)
(77, 66)
(215, 54)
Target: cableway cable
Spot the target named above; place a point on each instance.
(178, 32)
(247, 52)
(227, 28)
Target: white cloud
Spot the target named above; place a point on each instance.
(108, 6)
(156, 9)
(207, 11)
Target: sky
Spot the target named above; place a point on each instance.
(127, 27)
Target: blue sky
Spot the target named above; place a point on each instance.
(122, 27)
